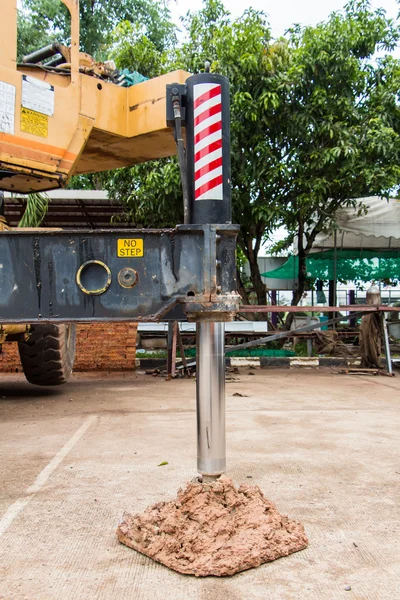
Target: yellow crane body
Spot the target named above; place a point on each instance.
(58, 123)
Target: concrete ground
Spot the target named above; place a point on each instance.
(324, 447)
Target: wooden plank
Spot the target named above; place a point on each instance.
(174, 344)
(182, 350)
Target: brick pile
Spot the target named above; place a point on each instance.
(9, 359)
(99, 346)
(106, 346)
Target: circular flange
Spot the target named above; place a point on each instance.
(93, 277)
(127, 277)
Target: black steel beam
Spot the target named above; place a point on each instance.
(82, 276)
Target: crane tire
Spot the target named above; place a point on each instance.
(47, 356)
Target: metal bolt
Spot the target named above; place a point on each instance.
(127, 277)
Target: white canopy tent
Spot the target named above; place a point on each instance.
(378, 228)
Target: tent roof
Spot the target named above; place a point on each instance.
(368, 245)
(379, 228)
(351, 265)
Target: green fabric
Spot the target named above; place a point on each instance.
(128, 78)
(352, 265)
(269, 352)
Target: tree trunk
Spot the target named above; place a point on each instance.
(246, 240)
(258, 284)
(301, 286)
(303, 252)
(302, 276)
(98, 182)
(241, 289)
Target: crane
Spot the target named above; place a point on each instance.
(63, 114)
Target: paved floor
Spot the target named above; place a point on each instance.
(324, 447)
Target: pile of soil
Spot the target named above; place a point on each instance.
(213, 529)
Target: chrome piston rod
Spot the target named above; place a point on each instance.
(210, 393)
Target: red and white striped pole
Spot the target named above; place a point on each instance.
(203, 105)
(208, 148)
(209, 178)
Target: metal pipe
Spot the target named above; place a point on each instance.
(42, 54)
(56, 61)
(210, 388)
(169, 348)
(386, 345)
(176, 103)
(334, 272)
(253, 308)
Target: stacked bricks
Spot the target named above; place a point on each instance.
(9, 359)
(99, 346)
(106, 347)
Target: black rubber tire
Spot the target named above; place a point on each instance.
(47, 357)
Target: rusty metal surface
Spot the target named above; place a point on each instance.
(253, 308)
(72, 212)
(41, 276)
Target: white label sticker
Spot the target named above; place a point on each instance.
(37, 95)
(7, 108)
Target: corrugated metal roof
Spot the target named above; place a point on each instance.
(70, 209)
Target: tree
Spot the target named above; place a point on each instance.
(341, 116)
(133, 49)
(98, 19)
(35, 210)
(135, 186)
(241, 51)
(32, 34)
(315, 123)
(151, 192)
(314, 119)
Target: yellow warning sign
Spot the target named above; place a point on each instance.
(128, 248)
(34, 123)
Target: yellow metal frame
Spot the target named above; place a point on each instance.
(96, 125)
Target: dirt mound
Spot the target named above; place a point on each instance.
(213, 529)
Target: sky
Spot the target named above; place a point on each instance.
(283, 13)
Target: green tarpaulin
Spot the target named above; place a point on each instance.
(351, 265)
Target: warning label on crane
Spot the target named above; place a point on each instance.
(37, 95)
(34, 123)
(129, 248)
(7, 107)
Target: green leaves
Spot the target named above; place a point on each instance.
(98, 19)
(151, 193)
(132, 49)
(35, 210)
